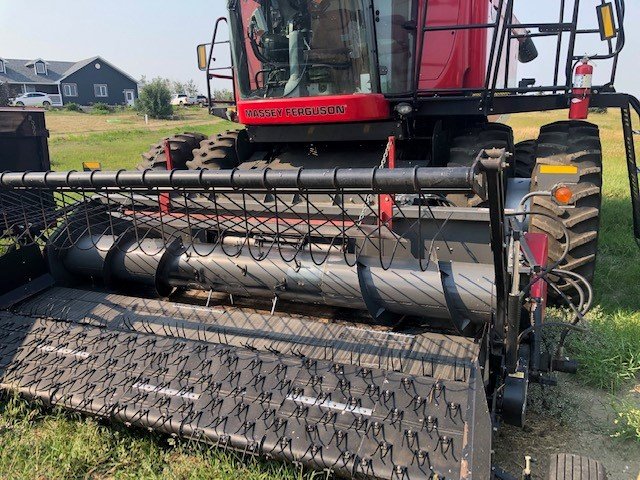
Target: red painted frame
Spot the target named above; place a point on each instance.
(450, 60)
(539, 246)
(328, 109)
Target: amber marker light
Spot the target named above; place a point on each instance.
(563, 195)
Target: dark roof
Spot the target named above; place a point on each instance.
(83, 63)
(17, 70)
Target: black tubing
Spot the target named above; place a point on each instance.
(401, 180)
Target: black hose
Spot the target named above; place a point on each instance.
(567, 326)
(545, 270)
(570, 304)
(585, 309)
(584, 281)
(579, 289)
(565, 231)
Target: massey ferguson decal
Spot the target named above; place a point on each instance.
(359, 107)
(296, 112)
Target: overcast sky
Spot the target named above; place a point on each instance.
(159, 38)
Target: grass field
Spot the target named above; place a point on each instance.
(117, 140)
(37, 443)
(63, 123)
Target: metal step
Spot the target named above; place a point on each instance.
(330, 396)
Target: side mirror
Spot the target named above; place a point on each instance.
(203, 58)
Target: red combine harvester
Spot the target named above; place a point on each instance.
(357, 281)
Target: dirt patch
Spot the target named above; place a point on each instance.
(568, 419)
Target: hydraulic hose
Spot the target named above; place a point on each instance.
(545, 270)
(567, 326)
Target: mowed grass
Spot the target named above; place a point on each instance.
(116, 146)
(63, 123)
(36, 442)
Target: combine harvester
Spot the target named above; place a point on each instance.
(356, 281)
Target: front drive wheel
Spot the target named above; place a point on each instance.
(182, 147)
(223, 151)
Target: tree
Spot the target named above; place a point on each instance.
(176, 87)
(189, 88)
(155, 99)
(222, 95)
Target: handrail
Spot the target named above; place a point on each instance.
(210, 60)
(503, 33)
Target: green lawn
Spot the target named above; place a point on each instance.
(63, 123)
(37, 443)
(118, 149)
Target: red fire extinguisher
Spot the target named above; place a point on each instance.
(581, 94)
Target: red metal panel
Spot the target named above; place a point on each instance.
(454, 59)
(163, 199)
(329, 109)
(478, 41)
(387, 202)
(539, 246)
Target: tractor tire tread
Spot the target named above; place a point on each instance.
(573, 467)
(222, 151)
(181, 147)
(571, 143)
(525, 158)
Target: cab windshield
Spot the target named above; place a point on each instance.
(301, 48)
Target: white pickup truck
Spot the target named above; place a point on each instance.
(181, 100)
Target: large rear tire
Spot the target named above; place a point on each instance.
(182, 147)
(466, 146)
(222, 152)
(578, 144)
(573, 467)
(525, 158)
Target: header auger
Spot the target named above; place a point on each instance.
(357, 279)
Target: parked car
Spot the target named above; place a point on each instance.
(33, 99)
(181, 100)
(201, 100)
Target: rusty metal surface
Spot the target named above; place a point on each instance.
(351, 400)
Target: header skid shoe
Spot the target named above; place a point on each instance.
(358, 402)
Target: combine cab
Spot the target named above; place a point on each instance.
(357, 280)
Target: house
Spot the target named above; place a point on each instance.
(86, 82)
